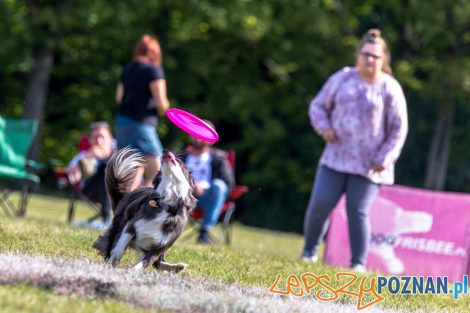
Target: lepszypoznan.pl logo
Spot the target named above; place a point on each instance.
(405, 285)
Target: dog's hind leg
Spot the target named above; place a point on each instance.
(120, 247)
(165, 266)
(150, 257)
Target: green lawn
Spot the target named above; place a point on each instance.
(14, 299)
(255, 258)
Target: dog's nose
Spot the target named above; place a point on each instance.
(167, 154)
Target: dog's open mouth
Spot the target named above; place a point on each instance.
(168, 157)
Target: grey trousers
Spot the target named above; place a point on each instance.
(328, 187)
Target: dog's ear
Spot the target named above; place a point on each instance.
(157, 179)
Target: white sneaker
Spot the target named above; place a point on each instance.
(81, 223)
(93, 224)
(358, 268)
(309, 258)
(100, 225)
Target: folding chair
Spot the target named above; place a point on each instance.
(227, 210)
(16, 171)
(74, 189)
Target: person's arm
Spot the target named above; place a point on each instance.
(228, 175)
(119, 92)
(73, 170)
(323, 103)
(226, 172)
(396, 122)
(158, 90)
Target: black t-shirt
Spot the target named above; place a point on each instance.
(137, 101)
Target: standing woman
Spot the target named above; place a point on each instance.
(360, 113)
(141, 95)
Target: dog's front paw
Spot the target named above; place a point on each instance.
(114, 258)
(112, 261)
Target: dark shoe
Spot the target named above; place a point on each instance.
(204, 237)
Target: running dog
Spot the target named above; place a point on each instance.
(149, 219)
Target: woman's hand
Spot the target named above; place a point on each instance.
(198, 190)
(329, 136)
(377, 168)
(119, 92)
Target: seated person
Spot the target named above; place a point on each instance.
(88, 167)
(214, 179)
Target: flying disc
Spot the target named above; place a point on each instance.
(192, 125)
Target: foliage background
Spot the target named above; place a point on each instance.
(251, 67)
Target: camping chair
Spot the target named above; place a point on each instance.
(75, 191)
(226, 212)
(16, 171)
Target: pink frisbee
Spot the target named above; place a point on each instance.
(192, 125)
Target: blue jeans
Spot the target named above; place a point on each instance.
(137, 135)
(211, 202)
(360, 194)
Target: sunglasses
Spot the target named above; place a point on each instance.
(370, 55)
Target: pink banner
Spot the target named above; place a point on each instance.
(414, 232)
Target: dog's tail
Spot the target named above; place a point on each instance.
(121, 172)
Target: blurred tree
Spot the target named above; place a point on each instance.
(249, 66)
(432, 53)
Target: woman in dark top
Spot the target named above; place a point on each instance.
(142, 96)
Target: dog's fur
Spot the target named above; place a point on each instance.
(149, 219)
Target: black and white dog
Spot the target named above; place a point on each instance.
(148, 219)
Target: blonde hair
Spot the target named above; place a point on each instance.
(373, 36)
(100, 124)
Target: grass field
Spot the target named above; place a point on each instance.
(253, 261)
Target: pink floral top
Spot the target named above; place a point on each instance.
(370, 121)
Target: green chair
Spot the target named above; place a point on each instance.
(16, 137)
